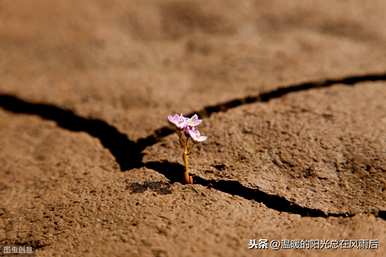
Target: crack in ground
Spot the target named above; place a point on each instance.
(174, 172)
(129, 154)
(208, 111)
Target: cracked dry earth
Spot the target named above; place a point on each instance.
(293, 99)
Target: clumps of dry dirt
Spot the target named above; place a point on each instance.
(308, 147)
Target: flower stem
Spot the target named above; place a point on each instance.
(185, 157)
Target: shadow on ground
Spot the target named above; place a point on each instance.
(129, 154)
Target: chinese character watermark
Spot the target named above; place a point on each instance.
(314, 244)
(13, 250)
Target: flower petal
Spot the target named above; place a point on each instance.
(194, 121)
(195, 134)
(178, 120)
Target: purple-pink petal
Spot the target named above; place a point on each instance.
(194, 121)
(178, 120)
(195, 134)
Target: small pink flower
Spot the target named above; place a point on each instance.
(188, 126)
(187, 130)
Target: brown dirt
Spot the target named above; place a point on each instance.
(293, 99)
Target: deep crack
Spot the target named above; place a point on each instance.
(208, 111)
(129, 154)
(174, 173)
(126, 152)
